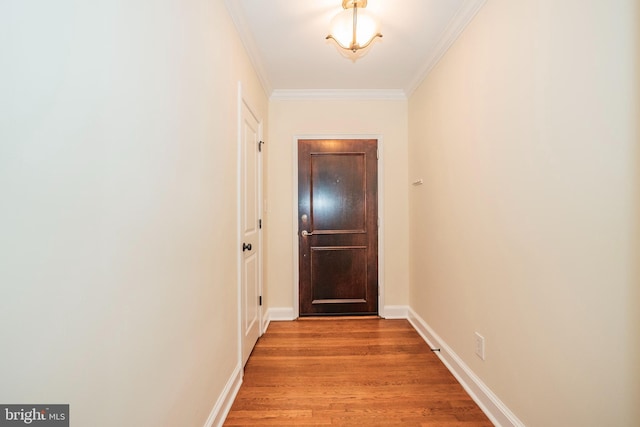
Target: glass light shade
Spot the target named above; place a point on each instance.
(342, 28)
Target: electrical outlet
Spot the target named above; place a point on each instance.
(479, 341)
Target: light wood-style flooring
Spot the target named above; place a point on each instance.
(349, 372)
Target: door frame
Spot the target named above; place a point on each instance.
(242, 100)
(294, 225)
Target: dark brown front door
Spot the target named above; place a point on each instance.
(338, 226)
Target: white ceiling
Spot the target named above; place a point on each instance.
(286, 42)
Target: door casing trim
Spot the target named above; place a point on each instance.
(294, 225)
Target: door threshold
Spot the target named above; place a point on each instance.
(338, 317)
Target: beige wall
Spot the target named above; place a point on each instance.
(118, 220)
(291, 118)
(526, 227)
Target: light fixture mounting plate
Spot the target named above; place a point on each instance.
(349, 4)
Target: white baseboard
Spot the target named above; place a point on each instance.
(280, 313)
(287, 313)
(395, 312)
(265, 321)
(225, 400)
(493, 407)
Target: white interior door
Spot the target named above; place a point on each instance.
(250, 223)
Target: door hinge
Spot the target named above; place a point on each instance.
(260, 224)
(260, 146)
(378, 153)
(260, 300)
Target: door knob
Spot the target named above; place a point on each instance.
(246, 247)
(305, 233)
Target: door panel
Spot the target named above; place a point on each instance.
(338, 185)
(249, 217)
(337, 210)
(346, 279)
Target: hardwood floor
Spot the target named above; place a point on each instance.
(349, 372)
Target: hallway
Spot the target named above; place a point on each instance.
(508, 207)
(338, 371)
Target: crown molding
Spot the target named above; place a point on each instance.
(338, 94)
(244, 32)
(456, 26)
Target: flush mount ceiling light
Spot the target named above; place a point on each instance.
(353, 29)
